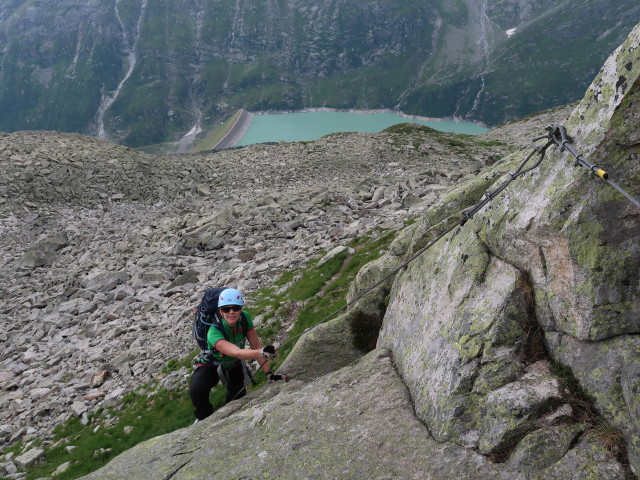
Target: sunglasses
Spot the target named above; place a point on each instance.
(235, 308)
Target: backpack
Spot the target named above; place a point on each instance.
(206, 316)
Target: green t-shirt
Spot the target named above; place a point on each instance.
(239, 339)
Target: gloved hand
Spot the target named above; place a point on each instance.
(274, 378)
(269, 352)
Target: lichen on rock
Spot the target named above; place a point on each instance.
(577, 240)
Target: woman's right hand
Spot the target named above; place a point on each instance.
(268, 352)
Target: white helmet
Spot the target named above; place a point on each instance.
(230, 296)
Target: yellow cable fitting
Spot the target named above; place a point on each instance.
(602, 174)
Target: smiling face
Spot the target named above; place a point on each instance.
(231, 314)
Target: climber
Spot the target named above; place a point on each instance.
(224, 359)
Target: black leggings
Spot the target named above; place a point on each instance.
(204, 378)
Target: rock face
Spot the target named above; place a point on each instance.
(355, 423)
(557, 255)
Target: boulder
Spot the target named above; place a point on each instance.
(544, 447)
(28, 458)
(571, 233)
(589, 459)
(37, 257)
(555, 252)
(103, 281)
(356, 423)
(186, 278)
(322, 350)
(55, 242)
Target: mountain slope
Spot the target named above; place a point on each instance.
(140, 72)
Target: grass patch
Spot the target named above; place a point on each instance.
(410, 221)
(452, 142)
(322, 307)
(176, 364)
(313, 280)
(146, 413)
(306, 283)
(408, 128)
(141, 416)
(490, 143)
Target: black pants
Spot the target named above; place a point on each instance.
(204, 378)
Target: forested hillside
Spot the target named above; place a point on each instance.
(139, 72)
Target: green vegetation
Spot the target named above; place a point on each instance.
(490, 143)
(321, 290)
(272, 58)
(451, 140)
(306, 296)
(334, 290)
(142, 415)
(408, 128)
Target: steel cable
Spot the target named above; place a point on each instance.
(557, 135)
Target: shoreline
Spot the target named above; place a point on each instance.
(238, 130)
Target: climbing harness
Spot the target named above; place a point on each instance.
(247, 373)
(557, 135)
(224, 379)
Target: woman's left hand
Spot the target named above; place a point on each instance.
(274, 378)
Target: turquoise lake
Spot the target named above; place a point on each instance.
(292, 127)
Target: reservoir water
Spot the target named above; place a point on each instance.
(292, 127)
